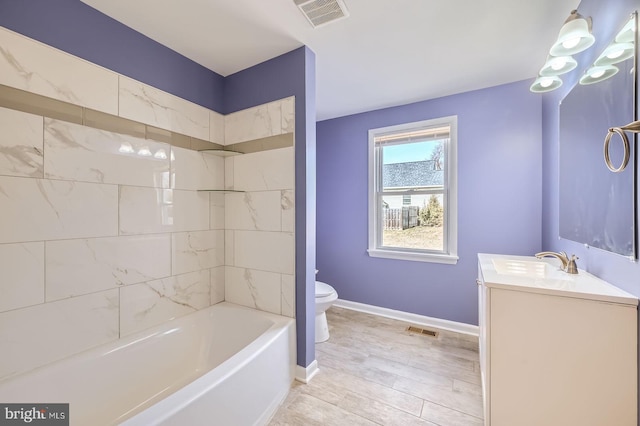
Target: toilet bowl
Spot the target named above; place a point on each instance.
(325, 297)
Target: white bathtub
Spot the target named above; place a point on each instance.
(225, 365)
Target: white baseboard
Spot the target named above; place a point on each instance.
(305, 375)
(442, 324)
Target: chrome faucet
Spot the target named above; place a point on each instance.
(568, 264)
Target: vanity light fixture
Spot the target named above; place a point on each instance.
(546, 84)
(558, 65)
(596, 74)
(574, 37)
(614, 53)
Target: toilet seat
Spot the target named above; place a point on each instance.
(324, 289)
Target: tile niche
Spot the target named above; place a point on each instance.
(112, 221)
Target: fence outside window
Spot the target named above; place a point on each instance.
(404, 218)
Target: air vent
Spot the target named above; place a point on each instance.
(426, 332)
(322, 12)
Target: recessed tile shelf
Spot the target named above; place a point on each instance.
(221, 153)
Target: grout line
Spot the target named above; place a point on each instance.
(118, 208)
(118, 99)
(44, 270)
(171, 254)
(260, 270)
(44, 147)
(64, 299)
(119, 312)
(452, 409)
(104, 290)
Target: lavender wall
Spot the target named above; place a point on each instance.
(608, 18)
(499, 192)
(74, 27)
(291, 74)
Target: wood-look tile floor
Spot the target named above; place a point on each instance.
(374, 372)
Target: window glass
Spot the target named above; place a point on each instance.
(412, 189)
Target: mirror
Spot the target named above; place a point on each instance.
(597, 206)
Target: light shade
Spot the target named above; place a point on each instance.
(597, 74)
(614, 53)
(575, 36)
(546, 84)
(558, 65)
(628, 33)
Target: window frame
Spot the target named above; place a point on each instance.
(450, 196)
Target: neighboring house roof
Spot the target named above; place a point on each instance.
(412, 174)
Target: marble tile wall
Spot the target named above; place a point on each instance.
(101, 235)
(143, 103)
(259, 219)
(108, 222)
(271, 119)
(259, 231)
(32, 66)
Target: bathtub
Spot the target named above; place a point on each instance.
(224, 365)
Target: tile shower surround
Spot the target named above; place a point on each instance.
(105, 228)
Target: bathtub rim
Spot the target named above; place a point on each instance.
(181, 398)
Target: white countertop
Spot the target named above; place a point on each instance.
(527, 273)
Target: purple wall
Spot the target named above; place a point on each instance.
(499, 192)
(74, 27)
(608, 17)
(291, 74)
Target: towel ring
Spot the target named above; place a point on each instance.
(625, 142)
(631, 127)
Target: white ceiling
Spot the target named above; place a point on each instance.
(388, 52)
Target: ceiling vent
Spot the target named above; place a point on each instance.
(322, 12)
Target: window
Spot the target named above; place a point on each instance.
(413, 191)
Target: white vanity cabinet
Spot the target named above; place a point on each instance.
(555, 349)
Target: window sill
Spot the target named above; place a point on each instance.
(415, 257)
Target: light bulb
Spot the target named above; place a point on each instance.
(597, 74)
(126, 148)
(615, 54)
(546, 82)
(558, 63)
(160, 154)
(144, 152)
(571, 43)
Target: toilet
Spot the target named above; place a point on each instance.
(325, 297)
